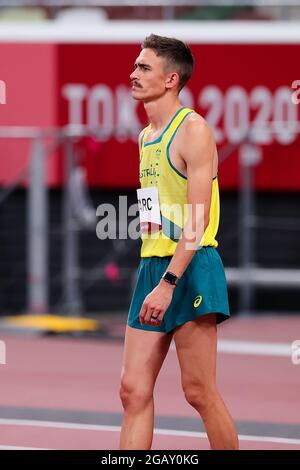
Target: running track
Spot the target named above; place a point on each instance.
(62, 393)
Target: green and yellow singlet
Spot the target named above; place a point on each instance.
(157, 170)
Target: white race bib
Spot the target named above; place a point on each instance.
(149, 208)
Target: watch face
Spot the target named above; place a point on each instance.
(170, 277)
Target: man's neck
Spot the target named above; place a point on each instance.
(159, 114)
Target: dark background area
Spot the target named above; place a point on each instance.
(276, 246)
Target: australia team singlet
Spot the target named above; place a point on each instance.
(157, 171)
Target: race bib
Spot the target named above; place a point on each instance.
(149, 209)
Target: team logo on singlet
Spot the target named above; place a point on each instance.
(197, 301)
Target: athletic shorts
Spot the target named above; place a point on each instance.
(201, 290)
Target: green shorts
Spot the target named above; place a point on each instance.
(201, 290)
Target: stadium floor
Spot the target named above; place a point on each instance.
(62, 392)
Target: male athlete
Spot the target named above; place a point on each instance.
(181, 288)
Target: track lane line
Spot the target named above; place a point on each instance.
(165, 432)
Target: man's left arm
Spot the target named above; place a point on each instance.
(197, 149)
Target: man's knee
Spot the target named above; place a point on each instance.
(199, 395)
(134, 394)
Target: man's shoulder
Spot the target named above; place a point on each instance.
(194, 121)
(141, 134)
(195, 127)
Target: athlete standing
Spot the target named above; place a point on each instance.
(181, 289)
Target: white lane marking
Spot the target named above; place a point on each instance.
(4, 447)
(165, 432)
(242, 437)
(58, 424)
(254, 348)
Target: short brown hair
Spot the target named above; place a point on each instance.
(176, 53)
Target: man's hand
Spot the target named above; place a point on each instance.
(156, 303)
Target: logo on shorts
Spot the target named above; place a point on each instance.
(197, 301)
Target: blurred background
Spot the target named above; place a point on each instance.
(68, 130)
(68, 143)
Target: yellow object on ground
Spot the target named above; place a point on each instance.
(54, 323)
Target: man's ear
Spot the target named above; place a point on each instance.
(172, 80)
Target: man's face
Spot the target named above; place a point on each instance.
(149, 79)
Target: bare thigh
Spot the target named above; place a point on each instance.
(196, 346)
(144, 354)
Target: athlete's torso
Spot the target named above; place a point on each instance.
(157, 169)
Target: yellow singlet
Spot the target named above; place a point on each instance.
(156, 169)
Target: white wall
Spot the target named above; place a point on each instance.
(135, 31)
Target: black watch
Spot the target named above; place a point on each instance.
(170, 278)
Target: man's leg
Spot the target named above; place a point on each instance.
(196, 345)
(144, 354)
